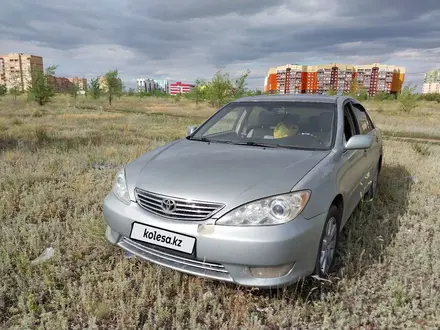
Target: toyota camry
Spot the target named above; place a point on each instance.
(256, 195)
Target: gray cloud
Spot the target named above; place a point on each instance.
(194, 38)
(177, 10)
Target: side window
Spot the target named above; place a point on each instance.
(349, 125)
(365, 124)
(227, 123)
(253, 119)
(361, 108)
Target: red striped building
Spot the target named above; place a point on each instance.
(318, 79)
(179, 87)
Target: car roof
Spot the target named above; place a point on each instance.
(293, 98)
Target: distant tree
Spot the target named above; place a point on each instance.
(131, 91)
(408, 98)
(332, 91)
(220, 89)
(15, 83)
(240, 84)
(121, 90)
(198, 92)
(354, 88)
(40, 89)
(3, 90)
(113, 85)
(73, 90)
(94, 88)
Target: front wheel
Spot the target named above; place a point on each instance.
(372, 191)
(328, 243)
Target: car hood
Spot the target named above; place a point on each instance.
(221, 173)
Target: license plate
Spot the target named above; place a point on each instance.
(161, 237)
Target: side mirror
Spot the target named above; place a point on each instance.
(191, 129)
(359, 142)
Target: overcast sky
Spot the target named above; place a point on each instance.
(189, 39)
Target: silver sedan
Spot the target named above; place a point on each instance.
(257, 195)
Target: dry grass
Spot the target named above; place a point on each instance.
(423, 122)
(51, 195)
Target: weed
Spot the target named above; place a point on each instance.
(41, 135)
(38, 113)
(421, 148)
(16, 121)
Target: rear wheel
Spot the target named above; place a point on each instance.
(328, 243)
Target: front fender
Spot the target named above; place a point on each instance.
(322, 180)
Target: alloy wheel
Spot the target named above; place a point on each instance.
(373, 188)
(375, 180)
(328, 245)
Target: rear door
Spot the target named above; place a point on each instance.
(366, 127)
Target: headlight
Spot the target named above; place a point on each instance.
(274, 210)
(120, 187)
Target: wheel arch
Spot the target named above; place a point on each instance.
(380, 163)
(338, 201)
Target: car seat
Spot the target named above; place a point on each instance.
(267, 122)
(325, 122)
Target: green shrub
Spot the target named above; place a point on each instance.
(408, 99)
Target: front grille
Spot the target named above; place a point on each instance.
(179, 208)
(186, 265)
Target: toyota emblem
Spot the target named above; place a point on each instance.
(168, 205)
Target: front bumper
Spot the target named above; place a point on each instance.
(225, 253)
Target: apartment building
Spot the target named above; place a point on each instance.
(149, 85)
(431, 82)
(102, 83)
(179, 87)
(60, 84)
(80, 82)
(290, 78)
(319, 79)
(164, 85)
(15, 69)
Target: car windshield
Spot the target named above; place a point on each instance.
(288, 124)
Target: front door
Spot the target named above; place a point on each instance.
(355, 164)
(366, 127)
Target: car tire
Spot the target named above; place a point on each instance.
(328, 244)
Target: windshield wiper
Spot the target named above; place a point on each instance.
(266, 145)
(203, 139)
(256, 144)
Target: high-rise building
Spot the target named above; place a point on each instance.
(60, 84)
(80, 82)
(149, 85)
(164, 85)
(431, 82)
(318, 79)
(15, 70)
(290, 78)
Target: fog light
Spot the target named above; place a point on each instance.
(271, 271)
